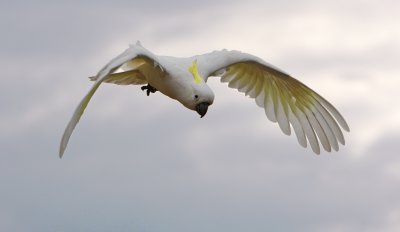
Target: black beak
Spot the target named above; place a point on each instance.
(202, 108)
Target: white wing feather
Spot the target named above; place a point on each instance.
(284, 99)
(123, 59)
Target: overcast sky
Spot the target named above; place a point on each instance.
(138, 163)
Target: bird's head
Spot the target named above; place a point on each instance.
(200, 96)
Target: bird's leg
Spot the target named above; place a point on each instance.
(149, 89)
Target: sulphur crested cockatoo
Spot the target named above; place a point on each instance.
(284, 99)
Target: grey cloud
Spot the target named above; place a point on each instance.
(138, 163)
(107, 179)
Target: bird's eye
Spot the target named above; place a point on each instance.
(196, 96)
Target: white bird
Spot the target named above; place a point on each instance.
(284, 99)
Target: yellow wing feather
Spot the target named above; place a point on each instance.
(132, 77)
(290, 103)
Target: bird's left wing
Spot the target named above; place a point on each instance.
(106, 74)
(284, 99)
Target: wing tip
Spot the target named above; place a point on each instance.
(64, 141)
(346, 127)
(61, 154)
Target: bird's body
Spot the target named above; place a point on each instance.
(177, 76)
(285, 99)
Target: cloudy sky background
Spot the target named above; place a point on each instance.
(138, 163)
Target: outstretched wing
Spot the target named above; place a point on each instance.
(129, 60)
(284, 99)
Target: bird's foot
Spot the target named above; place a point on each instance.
(149, 89)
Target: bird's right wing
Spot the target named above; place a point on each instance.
(134, 55)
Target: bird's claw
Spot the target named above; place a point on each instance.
(149, 89)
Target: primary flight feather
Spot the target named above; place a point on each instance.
(284, 99)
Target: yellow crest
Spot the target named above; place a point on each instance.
(195, 72)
